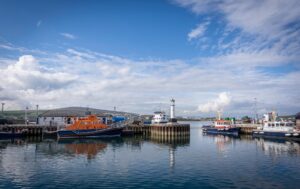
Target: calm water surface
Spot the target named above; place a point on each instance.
(200, 161)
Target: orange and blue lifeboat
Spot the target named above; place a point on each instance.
(89, 127)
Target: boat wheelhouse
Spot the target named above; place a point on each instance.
(223, 124)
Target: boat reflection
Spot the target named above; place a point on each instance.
(222, 140)
(90, 148)
(277, 147)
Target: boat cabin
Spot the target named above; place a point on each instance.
(272, 123)
(223, 123)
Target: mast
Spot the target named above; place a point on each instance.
(219, 115)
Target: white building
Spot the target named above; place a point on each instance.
(65, 116)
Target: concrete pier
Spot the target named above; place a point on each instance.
(29, 130)
(137, 129)
(169, 130)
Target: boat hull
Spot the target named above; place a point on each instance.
(273, 134)
(90, 133)
(228, 131)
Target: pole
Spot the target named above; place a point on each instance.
(26, 120)
(255, 110)
(37, 114)
(2, 110)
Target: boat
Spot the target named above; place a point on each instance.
(275, 127)
(222, 126)
(89, 127)
(159, 117)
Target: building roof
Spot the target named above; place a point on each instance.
(81, 112)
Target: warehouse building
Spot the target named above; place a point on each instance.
(64, 116)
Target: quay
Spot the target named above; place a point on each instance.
(156, 130)
(29, 130)
(170, 130)
(248, 128)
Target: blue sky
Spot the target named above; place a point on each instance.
(136, 55)
(136, 29)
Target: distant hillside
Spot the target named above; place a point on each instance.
(68, 111)
(20, 114)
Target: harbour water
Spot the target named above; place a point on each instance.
(198, 161)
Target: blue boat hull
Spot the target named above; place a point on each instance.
(213, 130)
(274, 134)
(90, 133)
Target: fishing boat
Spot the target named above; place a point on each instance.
(275, 127)
(89, 127)
(222, 126)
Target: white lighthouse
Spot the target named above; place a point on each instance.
(172, 111)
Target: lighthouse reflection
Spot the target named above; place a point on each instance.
(172, 142)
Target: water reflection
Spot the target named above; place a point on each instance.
(149, 162)
(276, 147)
(270, 146)
(90, 148)
(222, 141)
(172, 142)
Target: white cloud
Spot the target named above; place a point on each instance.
(27, 73)
(68, 35)
(198, 31)
(218, 104)
(79, 78)
(256, 25)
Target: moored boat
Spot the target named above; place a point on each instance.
(221, 126)
(89, 127)
(274, 127)
(159, 117)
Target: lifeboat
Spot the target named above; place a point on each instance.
(89, 127)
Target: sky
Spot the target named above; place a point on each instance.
(136, 55)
